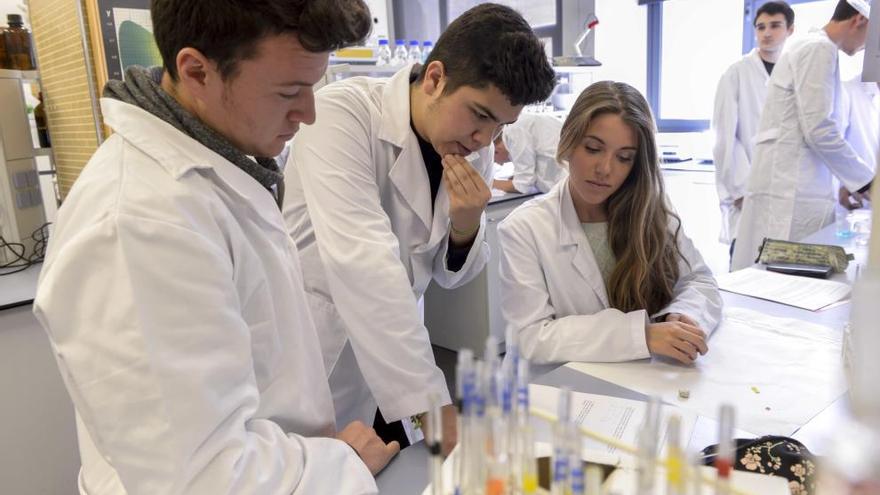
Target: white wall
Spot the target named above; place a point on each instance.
(622, 43)
(13, 7)
(38, 448)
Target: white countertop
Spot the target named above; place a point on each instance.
(17, 289)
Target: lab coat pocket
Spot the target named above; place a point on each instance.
(330, 328)
(768, 135)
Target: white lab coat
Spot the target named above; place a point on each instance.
(174, 303)
(356, 182)
(800, 146)
(862, 118)
(554, 297)
(532, 142)
(738, 103)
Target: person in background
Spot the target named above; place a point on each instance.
(387, 191)
(171, 293)
(738, 103)
(598, 269)
(530, 143)
(861, 110)
(800, 143)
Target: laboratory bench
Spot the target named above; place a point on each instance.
(463, 317)
(19, 288)
(409, 471)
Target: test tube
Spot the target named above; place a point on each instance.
(434, 445)
(464, 385)
(511, 341)
(724, 457)
(647, 447)
(561, 456)
(522, 391)
(594, 479)
(675, 462)
(527, 481)
(576, 478)
(696, 474)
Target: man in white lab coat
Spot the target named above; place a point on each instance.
(861, 111)
(530, 144)
(738, 103)
(171, 293)
(800, 144)
(386, 192)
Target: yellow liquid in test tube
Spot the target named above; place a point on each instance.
(529, 483)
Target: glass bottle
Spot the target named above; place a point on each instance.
(18, 44)
(5, 63)
(42, 123)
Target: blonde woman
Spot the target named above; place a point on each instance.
(599, 269)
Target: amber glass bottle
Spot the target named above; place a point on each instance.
(5, 63)
(19, 48)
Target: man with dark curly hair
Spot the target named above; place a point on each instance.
(386, 192)
(171, 293)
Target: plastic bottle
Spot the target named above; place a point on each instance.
(383, 55)
(400, 54)
(18, 44)
(414, 55)
(427, 46)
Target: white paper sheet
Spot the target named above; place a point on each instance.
(778, 372)
(624, 481)
(610, 416)
(802, 292)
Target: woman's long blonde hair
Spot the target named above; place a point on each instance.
(642, 237)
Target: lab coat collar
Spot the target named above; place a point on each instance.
(572, 234)
(408, 173)
(756, 60)
(394, 127)
(179, 154)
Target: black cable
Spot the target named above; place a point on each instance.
(22, 261)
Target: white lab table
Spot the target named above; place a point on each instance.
(18, 289)
(477, 304)
(409, 474)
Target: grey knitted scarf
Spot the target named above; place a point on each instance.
(142, 88)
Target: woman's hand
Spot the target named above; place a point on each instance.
(679, 337)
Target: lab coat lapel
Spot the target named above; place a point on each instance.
(574, 242)
(180, 154)
(408, 173)
(758, 65)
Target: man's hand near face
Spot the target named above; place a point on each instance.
(468, 196)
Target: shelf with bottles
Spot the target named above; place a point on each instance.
(27, 76)
(16, 45)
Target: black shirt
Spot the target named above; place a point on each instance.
(768, 66)
(455, 256)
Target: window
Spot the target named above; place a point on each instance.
(538, 13)
(621, 43)
(689, 50)
(542, 15)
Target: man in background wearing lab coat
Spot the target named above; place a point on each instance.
(800, 144)
(386, 192)
(171, 292)
(738, 103)
(530, 144)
